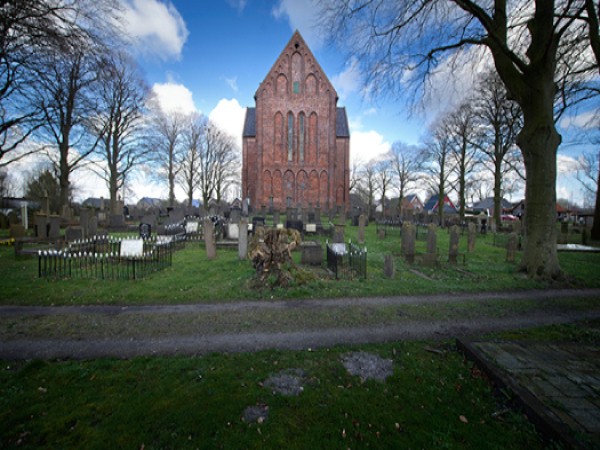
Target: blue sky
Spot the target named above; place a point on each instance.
(212, 55)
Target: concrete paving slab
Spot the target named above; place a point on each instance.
(556, 384)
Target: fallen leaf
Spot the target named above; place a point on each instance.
(463, 419)
(344, 433)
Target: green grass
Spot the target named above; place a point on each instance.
(183, 403)
(193, 278)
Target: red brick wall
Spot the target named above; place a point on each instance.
(314, 169)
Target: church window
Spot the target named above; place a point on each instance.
(296, 87)
(290, 137)
(301, 136)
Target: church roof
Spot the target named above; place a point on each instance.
(341, 123)
(250, 123)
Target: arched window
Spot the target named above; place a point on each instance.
(301, 128)
(290, 137)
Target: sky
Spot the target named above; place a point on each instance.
(211, 56)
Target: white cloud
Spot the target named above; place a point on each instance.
(232, 83)
(366, 146)
(229, 116)
(239, 5)
(566, 164)
(156, 27)
(174, 97)
(585, 120)
(348, 81)
(302, 15)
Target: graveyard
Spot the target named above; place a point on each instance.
(270, 398)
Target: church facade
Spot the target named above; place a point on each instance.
(296, 141)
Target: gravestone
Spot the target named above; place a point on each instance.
(132, 248)
(431, 253)
(67, 213)
(84, 220)
(73, 234)
(564, 233)
(511, 247)
(41, 226)
(24, 216)
(389, 269)
(54, 230)
(117, 221)
(233, 231)
(339, 233)
(471, 236)
(145, 230)
(243, 239)
(93, 226)
(192, 227)
(276, 218)
(209, 239)
(454, 241)
(235, 215)
(312, 253)
(318, 215)
(361, 229)
(407, 244)
(150, 219)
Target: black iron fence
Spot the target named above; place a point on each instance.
(347, 260)
(107, 258)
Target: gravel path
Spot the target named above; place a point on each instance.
(170, 342)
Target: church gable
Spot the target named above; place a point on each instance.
(296, 72)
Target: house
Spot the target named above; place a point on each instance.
(147, 203)
(431, 205)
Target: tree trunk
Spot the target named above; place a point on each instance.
(539, 142)
(595, 234)
(63, 176)
(498, 192)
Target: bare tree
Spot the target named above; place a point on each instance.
(383, 179)
(499, 120)
(65, 93)
(118, 122)
(529, 44)
(459, 127)
(434, 159)
(190, 162)
(28, 29)
(367, 186)
(166, 140)
(405, 165)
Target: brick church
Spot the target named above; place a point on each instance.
(296, 141)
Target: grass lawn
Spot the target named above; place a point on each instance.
(434, 399)
(193, 278)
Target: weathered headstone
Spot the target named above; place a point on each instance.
(339, 233)
(454, 241)
(93, 226)
(471, 236)
(233, 231)
(54, 230)
(407, 244)
(235, 215)
(84, 220)
(511, 247)
(24, 216)
(46, 204)
(41, 229)
(431, 252)
(145, 230)
(317, 214)
(361, 229)
(312, 253)
(73, 234)
(243, 239)
(389, 269)
(563, 238)
(117, 221)
(209, 239)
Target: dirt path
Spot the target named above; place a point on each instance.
(83, 332)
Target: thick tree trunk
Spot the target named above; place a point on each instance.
(498, 192)
(539, 142)
(63, 176)
(596, 227)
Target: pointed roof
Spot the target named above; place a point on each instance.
(297, 43)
